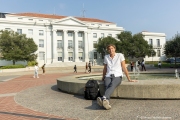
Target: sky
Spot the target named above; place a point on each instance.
(162, 16)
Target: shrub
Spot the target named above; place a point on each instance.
(13, 66)
(31, 63)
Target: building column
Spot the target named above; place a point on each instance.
(48, 53)
(86, 47)
(65, 42)
(54, 46)
(76, 54)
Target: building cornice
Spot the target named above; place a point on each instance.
(154, 34)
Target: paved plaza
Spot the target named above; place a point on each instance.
(24, 98)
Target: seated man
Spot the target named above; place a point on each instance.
(114, 63)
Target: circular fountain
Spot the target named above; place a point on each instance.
(149, 86)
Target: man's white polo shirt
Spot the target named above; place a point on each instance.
(114, 65)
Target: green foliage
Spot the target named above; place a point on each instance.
(172, 47)
(140, 47)
(31, 63)
(128, 44)
(13, 66)
(103, 42)
(17, 47)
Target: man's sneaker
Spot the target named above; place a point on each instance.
(106, 104)
(99, 101)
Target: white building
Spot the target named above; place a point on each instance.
(61, 40)
(157, 40)
(65, 40)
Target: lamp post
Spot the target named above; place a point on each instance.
(44, 57)
(152, 56)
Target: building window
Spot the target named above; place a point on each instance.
(8, 29)
(60, 56)
(94, 44)
(59, 33)
(70, 44)
(80, 34)
(102, 35)
(70, 56)
(31, 19)
(41, 43)
(59, 44)
(41, 32)
(80, 44)
(19, 31)
(70, 34)
(40, 20)
(20, 18)
(159, 53)
(30, 31)
(102, 55)
(94, 35)
(110, 35)
(95, 55)
(41, 56)
(158, 43)
(80, 56)
(150, 42)
(107, 25)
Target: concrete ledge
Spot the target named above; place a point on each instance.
(143, 89)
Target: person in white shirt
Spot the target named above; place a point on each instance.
(159, 64)
(114, 64)
(36, 68)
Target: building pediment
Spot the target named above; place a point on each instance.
(70, 21)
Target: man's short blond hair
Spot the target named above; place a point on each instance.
(110, 46)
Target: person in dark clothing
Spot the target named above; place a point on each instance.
(89, 67)
(75, 68)
(143, 65)
(132, 65)
(139, 63)
(43, 68)
(86, 69)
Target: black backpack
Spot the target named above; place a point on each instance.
(91, 91)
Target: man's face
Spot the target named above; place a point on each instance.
(111, 50)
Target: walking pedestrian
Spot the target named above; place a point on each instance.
(132, 65)
(143, 65)
(43, 68)
(159, 64)
(89, 65)
(86, 68)
(36, 68)
(75, 69)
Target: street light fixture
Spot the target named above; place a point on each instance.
(44, 57)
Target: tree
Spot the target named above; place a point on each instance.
(134, 45)
(128, 44)
(103, 42)
(140, 47)
(16, 47)
(172, 47)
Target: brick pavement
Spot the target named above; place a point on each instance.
(10, 110)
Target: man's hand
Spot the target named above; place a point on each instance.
(103, 78)
(133, 80)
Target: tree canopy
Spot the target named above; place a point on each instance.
(16, 47)
(128, 44)
(172, 47)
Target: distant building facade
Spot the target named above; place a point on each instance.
(158, 41)
(66, 40)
